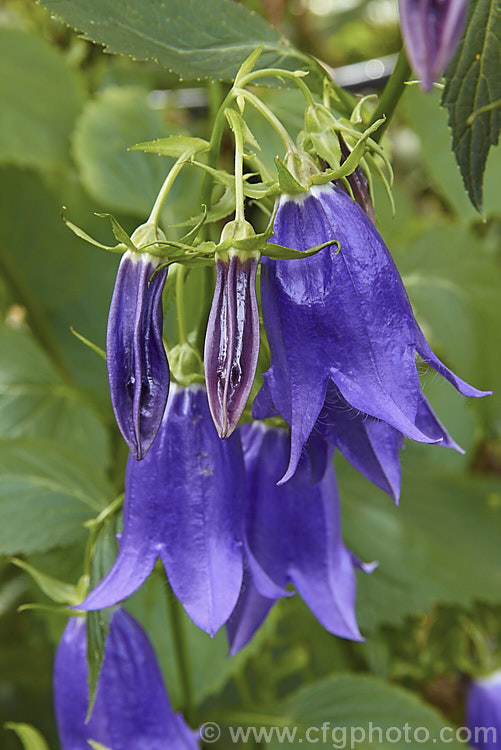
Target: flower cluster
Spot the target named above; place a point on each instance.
(241, 516)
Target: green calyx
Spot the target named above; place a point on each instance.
(185, 364)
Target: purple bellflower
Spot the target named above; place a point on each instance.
(343, 318)
(483, 712)
(132, 709)
(183, 503)
(232, 338)
(431, 30)
(292, 535)
(138, 370)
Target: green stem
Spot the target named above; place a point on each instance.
(181, 321)
(164, 190)
(182, 659)
(38, 319)
(239, 175)
(392, 92)
(279, 73)
(214, 145)
(268, 115)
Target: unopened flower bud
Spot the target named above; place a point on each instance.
(232, 338)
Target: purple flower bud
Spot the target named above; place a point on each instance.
(183, 504)
(358, 184)
(232, 340)
(431, 30)
(483, 712)
(138, 370)
(344, 318)
(132, 709)
(292, 535)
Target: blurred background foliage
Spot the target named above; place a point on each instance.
(431, 613)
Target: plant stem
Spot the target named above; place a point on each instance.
(239, 175)
(181, 322)
(392, 92)
(38, 319)
(279, 73)
(164, 190)
(268, 115)
(182, 660)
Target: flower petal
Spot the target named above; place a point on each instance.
(183, 503)
(138, 370)
(131, 709)
(232, 341)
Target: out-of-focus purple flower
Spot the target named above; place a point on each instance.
(431, 30)
(343, 318)
(232, 340)
(138, 370)
(183, 503)
(483, 712)
(132, 709)
(292, 535)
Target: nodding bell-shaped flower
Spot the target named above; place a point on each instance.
(343, 318)
(138, 370)
(232, 338)
(183, 505)
(132, 708)
(431, 30)
(292, 535)
(483, 712)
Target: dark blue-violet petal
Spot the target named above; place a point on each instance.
(138, 370)
(232, 341)
(184, 505)
(132, 709)
(293, 530)
(342, 317)
(249, 614)
(431, 30)
(483, 712)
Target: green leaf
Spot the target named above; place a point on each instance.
(98, 622)
(121, 179)
(473, 82)
(58, 591)
(53, 274)
(29, 736)
(340, 711)
(212, 44)
(175, 145)
(35, 401)
(428, 547)
(40, 98)
(47, 492)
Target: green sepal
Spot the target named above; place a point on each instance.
(286, 180)
(236, 121)
(29, 736)
(352, 162)
(97, 745)
(186, 365)
(220, 210)
(88, 343)
(52, 608)
(248, 64)
(280, 252)
(192, 234)
(58, 591)
(120, 248)
(119, 232)
(174, 145)
(251, 190)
